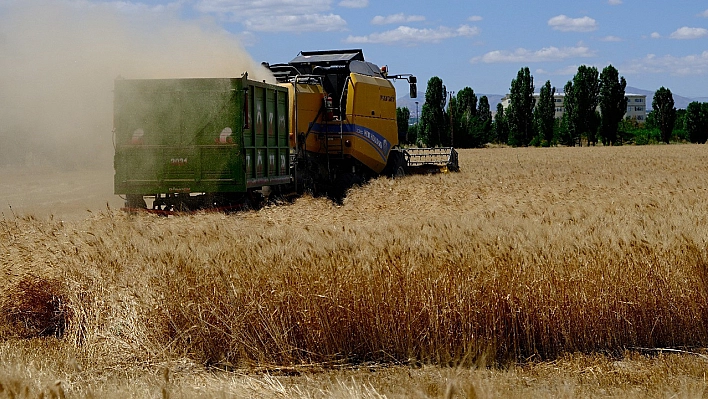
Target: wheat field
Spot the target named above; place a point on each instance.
(591, 258)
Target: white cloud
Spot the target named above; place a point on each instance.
(248, 39)
(128, 7)
(689, 33)
(354, 3)
(655, 35)
(611, 39)
(240, 8)
(467, 31)
(474, 18)
(704, 14)
(524, 55)
(564, 71)
(412, 36)
(133, 7)
(614, 2)
(278, 15)
(296, 23)
(396, 19)
(568, 70)
(566, 24)
(690, 65)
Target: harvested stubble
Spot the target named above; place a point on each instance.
(527, 253)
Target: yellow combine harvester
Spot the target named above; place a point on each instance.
(343, 126)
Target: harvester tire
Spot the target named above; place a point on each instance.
(342, 184)
(396, 165)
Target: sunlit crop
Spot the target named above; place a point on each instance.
(526, 254)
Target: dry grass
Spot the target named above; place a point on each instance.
(33, 307)
(37, 368)
(527, 254)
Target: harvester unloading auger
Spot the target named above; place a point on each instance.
(329, 123)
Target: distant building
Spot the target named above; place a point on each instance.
(636, 105)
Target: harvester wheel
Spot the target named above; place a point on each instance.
(397, 164)
(342, 184)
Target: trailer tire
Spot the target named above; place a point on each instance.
(135, 201)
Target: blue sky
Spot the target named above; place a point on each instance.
(477, 44)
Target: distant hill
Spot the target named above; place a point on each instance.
(408, 102)
(679, 101)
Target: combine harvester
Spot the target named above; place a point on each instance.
(225, 143)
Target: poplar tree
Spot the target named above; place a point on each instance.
(484, 121)
(613, 104)
(696, 122)
(663, 105)
(544, 115)
(520, 113)
(403, 116)
(569, 133)
(581, 100)
(501, 130)
(433, 123)
(463, 111)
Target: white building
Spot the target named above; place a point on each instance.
(636, 105)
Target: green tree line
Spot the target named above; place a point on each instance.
(594, 106)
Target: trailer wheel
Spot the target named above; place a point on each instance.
(135, 201)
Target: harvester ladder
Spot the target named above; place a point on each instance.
(334, 140)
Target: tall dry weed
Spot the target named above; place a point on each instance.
(34, 307)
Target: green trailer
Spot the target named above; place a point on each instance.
(195, 143)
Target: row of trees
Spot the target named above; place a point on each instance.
(594, 109)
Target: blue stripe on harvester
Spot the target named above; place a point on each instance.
(380, 144)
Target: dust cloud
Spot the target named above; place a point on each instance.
(58, 62)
